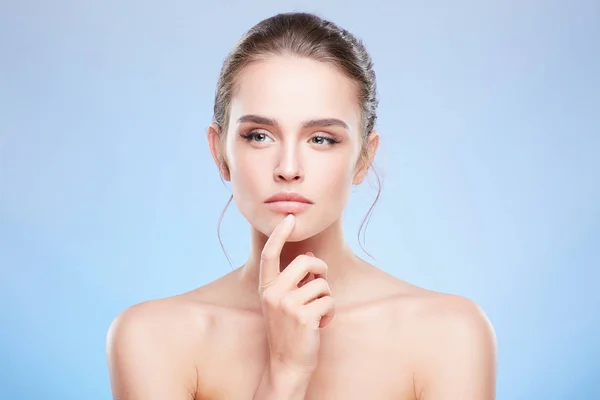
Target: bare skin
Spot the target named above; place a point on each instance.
(388, 339)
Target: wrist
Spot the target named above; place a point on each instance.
(282, 383)
(286, 377)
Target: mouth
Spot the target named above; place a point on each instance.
(288, 203)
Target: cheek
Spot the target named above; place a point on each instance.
(335, 181)
(248, 178)
(244, 178)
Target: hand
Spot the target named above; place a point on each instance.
(293, 311)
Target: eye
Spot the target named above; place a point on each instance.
(256, 136)
(321, 140)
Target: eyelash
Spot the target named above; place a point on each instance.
(252, 134)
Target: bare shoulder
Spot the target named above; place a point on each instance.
(429, 311)
(161, 348)
(150, 349)
(454, 347)
(450, 322)
(155, 349)
(448, 339)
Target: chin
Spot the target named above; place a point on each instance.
(307, 226)
(300, 235)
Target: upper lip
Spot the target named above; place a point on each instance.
(288, 196)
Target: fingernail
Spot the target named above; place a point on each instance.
(310, 254)
(290, 218)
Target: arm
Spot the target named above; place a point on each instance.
(459, 348)
(147, 355)
(277, 384)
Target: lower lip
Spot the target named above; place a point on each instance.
(288, 207)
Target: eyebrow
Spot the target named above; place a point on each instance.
(323, 122)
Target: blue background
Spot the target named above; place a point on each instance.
(490, 127)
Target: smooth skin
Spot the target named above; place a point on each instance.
(303, 317)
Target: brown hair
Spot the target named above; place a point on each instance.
(303, 35)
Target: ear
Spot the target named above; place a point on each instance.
(214, 143)
(362, 166)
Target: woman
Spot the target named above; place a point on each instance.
(304, 317)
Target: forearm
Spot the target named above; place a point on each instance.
(281, 385)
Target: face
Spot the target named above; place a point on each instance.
(294, 130)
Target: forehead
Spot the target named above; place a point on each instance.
(291, 89)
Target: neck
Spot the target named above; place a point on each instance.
(329, 245)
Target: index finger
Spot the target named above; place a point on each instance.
(269, 258)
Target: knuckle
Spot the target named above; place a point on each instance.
(331, 302)
(313, 263)
(266, 257)
(270, 298)
(327, 301)
(321, 266)
(303, 260)
(287, 305)
(322, 285)
(302, 317)
(300, 264)
(321, 282)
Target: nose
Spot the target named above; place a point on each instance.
(288, 169)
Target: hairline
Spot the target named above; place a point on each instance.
(264, 56)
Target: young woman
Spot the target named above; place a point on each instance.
(303, 317)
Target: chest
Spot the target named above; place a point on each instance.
(356, 361)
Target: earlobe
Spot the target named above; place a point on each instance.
(225, 172)
(364, 164)
(213, 135)
(360, 172)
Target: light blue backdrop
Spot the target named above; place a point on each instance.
(490, 129)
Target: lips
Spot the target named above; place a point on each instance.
(288, 196)
(288, 203)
